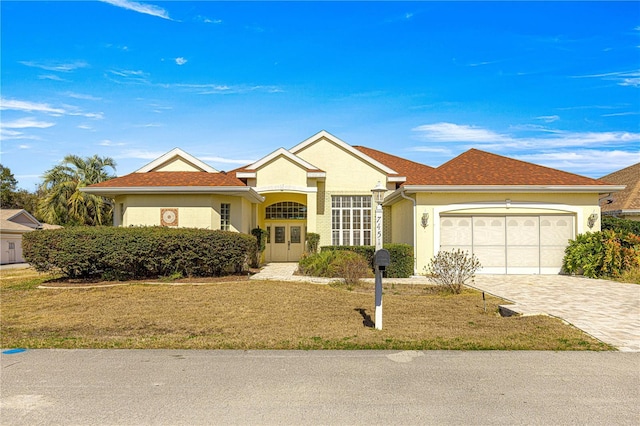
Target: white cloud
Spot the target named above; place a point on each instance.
(590, 162)
(226, 160)
(11, 104)
(24, 123)
(479, 137)
(548, 118)
(623, 78)
(57, 66)
(107, 142)
(52, 77)
(140, 154)
(24, 147)
(181, 61)
(82, 96)
(450, 132)
(147, 9)
(431, 150)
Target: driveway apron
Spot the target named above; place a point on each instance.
(607, 310)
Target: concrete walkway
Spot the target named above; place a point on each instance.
(607, 310)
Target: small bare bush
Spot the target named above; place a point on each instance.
(350, 266)
(452, 269)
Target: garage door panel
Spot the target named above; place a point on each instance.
(491, 256)
(523, 231)
(511, 244)
(456, 231)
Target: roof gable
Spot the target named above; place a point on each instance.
(18, 220)
(628, 198)
(177, 160)
(324, 135)
(479, 168)
(281, 152)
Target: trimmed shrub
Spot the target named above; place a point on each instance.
(401, 255)
(142, 252)
(625, 226)
(261, 241)
(452, 269)
(401, 265)
(606, 253)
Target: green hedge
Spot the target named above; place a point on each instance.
(401, 255)
(141, 252)
(617, 224)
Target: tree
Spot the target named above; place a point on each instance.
(7, 186)
(63, 202)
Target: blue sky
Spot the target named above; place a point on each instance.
(557, 84)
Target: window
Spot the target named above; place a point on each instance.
(286, 210)
(351, 220)
(225, 216)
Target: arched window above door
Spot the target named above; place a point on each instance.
(286, 210)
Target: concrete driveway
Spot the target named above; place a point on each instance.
(607, 310)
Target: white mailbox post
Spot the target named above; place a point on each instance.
(381, 255)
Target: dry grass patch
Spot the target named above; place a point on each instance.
(267, 315)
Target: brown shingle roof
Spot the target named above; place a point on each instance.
(629, 198)
(476, 167)
(160, 179)
(410, 169)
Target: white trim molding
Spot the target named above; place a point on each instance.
(241, 191)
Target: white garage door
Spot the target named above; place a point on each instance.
(510, 244)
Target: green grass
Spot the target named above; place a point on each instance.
(244, 314)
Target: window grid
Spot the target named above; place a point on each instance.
(350, 220)
(286, 210)
(225, 216)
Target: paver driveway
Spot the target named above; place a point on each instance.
(607, 310)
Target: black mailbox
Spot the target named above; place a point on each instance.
(381, 259)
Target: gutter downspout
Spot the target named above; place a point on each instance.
(415, 231)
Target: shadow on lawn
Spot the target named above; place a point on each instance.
(366, 318)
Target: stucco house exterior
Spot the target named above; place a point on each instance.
(515, 216)
(626, 203)
(13, 224)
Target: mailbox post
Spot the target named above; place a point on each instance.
(381, 260)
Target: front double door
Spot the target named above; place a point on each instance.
(285, 242)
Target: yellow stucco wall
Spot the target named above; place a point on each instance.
(194, 211)
(177, 165)
(345, 175)
(281, 171)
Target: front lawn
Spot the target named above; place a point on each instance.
(264, 315)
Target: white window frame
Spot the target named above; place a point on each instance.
(225, 216)
(347, 211)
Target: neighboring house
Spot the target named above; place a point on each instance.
(626, 203)
(13, 224)
(516, 217)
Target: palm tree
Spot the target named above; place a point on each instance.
(64, 203)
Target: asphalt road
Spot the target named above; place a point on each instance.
(175, 387)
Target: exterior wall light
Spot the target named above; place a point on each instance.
(425, 219)
(591, 221)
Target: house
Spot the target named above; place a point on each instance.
(13, 224)
(515, 216)
(626, 203)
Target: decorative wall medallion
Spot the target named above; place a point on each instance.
(169, 217)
